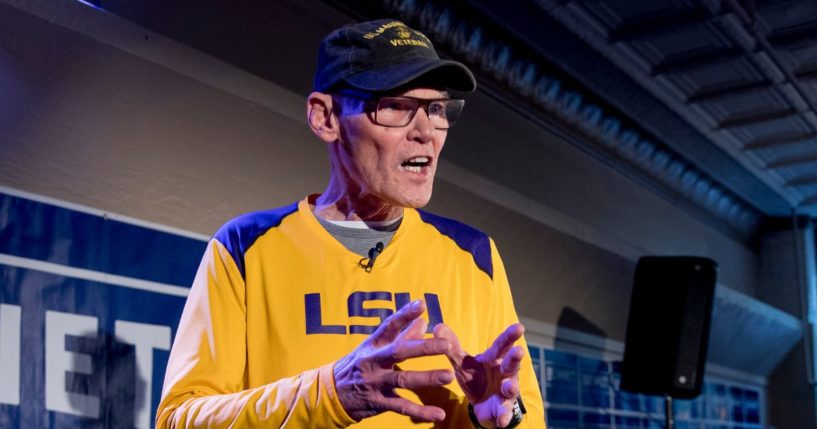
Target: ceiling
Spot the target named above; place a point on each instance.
(712, 101)
(742, 73)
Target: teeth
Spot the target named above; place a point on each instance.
(415, 165)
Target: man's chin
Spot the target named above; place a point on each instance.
(408, 198)
(417, 202)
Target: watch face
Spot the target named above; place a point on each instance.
(519, 404)
(518, 412)
(517, 418)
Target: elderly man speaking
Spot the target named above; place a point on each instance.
(353, 308)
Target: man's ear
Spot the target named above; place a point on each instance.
(321, 118)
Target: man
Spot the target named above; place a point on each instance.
(352, 308)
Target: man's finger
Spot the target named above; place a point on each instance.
(416, 330)
(492, 412)
(504, 341)
(455, 353)
(391, 327)
(416, 379)
(510, 388)
(399, 351)
(407, 408)
(504, 415)
(511, 362)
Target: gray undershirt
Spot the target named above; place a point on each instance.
(360, 240)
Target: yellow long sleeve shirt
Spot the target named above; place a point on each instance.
(277, 300)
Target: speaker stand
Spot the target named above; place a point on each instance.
(669, 421)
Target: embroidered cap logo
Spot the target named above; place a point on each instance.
(403, 33)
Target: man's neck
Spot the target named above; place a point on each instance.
(339, 206)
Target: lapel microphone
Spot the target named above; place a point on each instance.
(368, 263)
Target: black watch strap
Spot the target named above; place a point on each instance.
(518, 411)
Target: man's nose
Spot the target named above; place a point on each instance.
(422, 127)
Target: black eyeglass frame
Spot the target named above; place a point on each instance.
(376, 99)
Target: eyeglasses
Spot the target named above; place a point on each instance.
(399, 111)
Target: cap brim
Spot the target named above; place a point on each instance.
(436, 72)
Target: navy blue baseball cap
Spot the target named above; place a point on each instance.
(382, 55)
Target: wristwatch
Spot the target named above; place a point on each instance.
(518, 411)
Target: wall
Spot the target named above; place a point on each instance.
(91, 124)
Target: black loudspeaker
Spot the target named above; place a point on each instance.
(668, 326)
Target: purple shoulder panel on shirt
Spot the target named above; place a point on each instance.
(240, 233)
(467, 238)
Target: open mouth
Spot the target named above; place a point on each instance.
(416, 164)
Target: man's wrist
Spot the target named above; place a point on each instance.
(518, 413)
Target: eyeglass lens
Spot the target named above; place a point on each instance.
(399, 111)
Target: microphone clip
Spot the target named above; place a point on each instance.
(368, 263)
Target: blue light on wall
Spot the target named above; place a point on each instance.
(582, 392)
(96, 4)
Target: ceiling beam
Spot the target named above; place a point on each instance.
(808, 202)
(655, 24)
(802, 181)
(696, 59)
(794, 37)
(754, 118)
(771, 3)
(807, 74)
(719, 92)
(780, 140)
(792, 162)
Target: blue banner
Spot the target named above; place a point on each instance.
(88, 311)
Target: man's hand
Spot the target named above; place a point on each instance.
(365, 379)
(490, 379)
